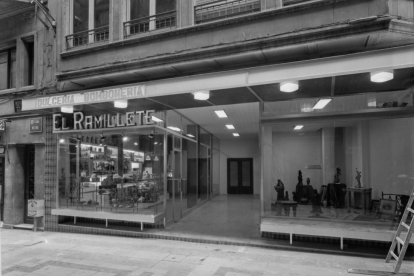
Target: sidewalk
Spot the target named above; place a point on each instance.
(48, 253)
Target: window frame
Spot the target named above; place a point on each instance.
(90, 33)
(9, 56)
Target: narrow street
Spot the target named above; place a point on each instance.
(48, 253)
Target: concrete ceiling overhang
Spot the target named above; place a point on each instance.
(12, 7)
(350, 37)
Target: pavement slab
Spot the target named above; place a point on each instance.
(67, 254)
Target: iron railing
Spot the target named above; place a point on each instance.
(224, 9)
(293, 2)
(150, 23)
(87, 37)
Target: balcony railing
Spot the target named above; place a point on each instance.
(293, 2)
(150, 23)
(224, 9)
(87, 37)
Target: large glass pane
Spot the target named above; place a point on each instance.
(139, 9)
(189, 168)
(216, 166)
(203, 168)
(112, 172)
(165, 6)
(341, 173)
(3, 70)
(101, 13)
(80, 15)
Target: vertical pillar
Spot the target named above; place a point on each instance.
(267, 167)
(14, 181)
(328, 155)
(39, 176)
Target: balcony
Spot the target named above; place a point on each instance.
(224, 9)
(293, 2)
(150, 23)
(87, 37)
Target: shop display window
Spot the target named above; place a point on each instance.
(355, 171)
(118, 172)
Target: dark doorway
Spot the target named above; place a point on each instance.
(29, 186)
(240, 176)
(1, 188)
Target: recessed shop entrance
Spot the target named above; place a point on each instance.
(240, 175)
(29, 184)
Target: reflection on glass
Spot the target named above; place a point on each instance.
(189, 173)
(101, 13)
(112, 174)
(80, 15)
(139, 9)
(162, 6)
(203, 168)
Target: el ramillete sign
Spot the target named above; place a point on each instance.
(87, 97)
(79, 121)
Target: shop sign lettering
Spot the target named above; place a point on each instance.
(105, 95)
(79, 121)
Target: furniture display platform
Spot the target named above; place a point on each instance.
(286, 205)
(366, 197)
(329, 228)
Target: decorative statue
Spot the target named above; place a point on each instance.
(316, 204)
(286, 196)
(358, 178)
(280, 189)
(337, 175)
(299, 188)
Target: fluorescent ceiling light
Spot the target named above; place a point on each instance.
(174, 128)
(290, 86)
(230, 126)
(136, 144)
(190, 135)
(221, 113)
(298, 127)
(121, 103)
(322, 103)
(67, 109)
(201, 95)
(382, 76)
(156, 119)
(62, 141)
(236, 134)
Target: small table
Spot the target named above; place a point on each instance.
(365, 193)
(286, 205)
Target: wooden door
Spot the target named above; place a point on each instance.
(240, 175)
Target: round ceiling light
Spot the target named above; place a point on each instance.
(67, 109)
(201, 95)
(290, 86)
(121, 103)
(382, 76)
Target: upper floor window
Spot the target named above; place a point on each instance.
(90, 22)
(214, 10)
(8, 69)
(149, 15)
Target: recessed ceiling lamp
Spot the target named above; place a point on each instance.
(156, 119)
(322, 103)
(67, 109)
(236, 134)
(382, 76)
(124, 137)
(121, 103)
(174, 128)
(230, 127)
(201, 95)
(136, 144)
(190, 135)
(221, 113)
(298, 127)
(62, 141)
(290, 86)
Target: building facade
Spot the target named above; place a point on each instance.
(133, 98)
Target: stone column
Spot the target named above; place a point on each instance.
(14, 189)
